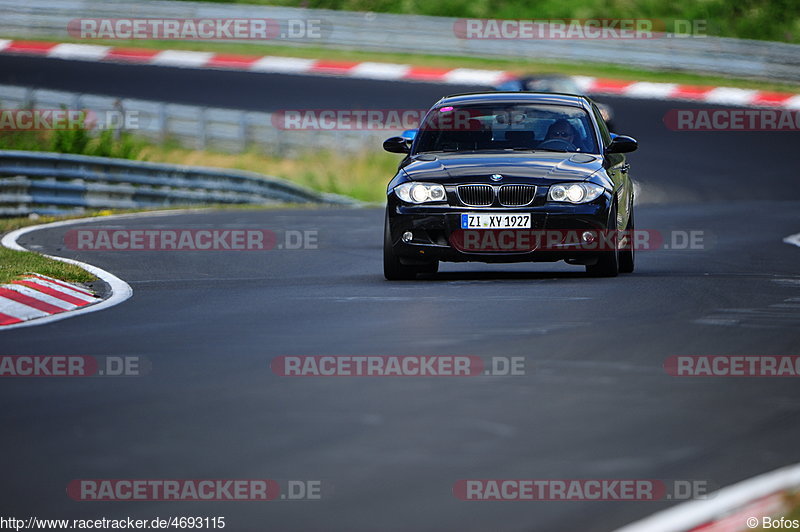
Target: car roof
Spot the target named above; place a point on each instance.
(553, 98)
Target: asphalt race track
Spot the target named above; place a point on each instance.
(595, 401)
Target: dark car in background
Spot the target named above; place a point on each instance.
(510, 177)
(557, 83)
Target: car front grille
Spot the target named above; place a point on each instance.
(476, 195)
(516, 195)
(507, 195)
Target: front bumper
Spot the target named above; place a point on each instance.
(437, 233)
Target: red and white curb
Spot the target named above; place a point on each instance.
(38, 299)
(391, 72)
(37, 296)
(737, 508)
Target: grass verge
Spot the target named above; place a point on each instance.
(14, 264)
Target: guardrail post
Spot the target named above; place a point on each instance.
(120, 109)
(203, 128)
(30, 99)
(243, 131)
(162, 123)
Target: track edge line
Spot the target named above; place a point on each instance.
(120, 290)
(692, 514)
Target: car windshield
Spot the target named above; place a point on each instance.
(507, 127)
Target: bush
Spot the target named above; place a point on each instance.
(80, 141)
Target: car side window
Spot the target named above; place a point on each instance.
(606, 136)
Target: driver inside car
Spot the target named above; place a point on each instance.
(561, 130)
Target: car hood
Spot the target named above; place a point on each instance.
(514, 167)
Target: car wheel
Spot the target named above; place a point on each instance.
(608, 263)
(627, 256)
(393, 269)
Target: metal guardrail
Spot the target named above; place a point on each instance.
(424, 34)
(225, 130)
(54, 183)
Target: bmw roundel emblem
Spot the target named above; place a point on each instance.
(496, 177)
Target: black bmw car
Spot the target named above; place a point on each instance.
(510, 177)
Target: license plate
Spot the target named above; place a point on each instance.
(491, 220)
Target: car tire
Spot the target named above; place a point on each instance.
(627, 256)
(393, 269)
(608, 263)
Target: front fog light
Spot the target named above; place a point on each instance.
(408, 236)
(588, 237)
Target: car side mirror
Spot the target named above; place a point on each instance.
(409, 134)
(622, 144)
(396, 145)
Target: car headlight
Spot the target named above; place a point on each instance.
(575, 192)
(420, 192)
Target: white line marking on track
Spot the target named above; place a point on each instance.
(644, 89)
(181, 58)
(692, 514)
(469, 75)
(282, 64)
(88, 52)
(730, 96)
(584, 82)
(794, 240)
(793, 102)
(120, 290)
(379, 70)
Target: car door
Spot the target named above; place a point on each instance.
(617, 167)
